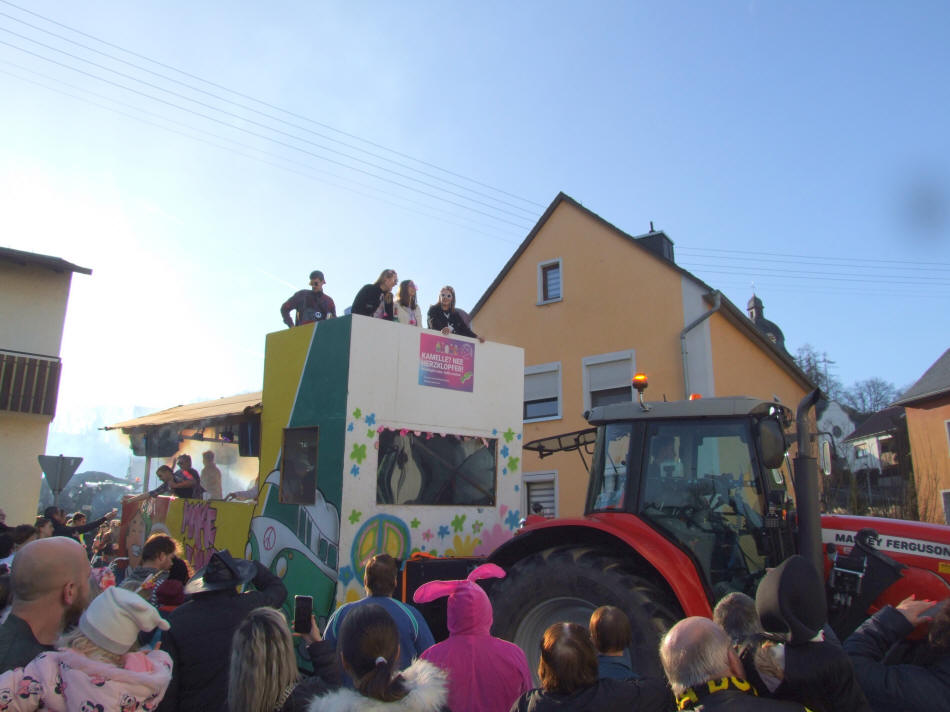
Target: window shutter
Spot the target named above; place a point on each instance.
(541, 492)
(610, 374)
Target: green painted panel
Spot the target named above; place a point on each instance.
(321, 401)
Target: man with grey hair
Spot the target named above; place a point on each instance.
(51, 589)
(705, 673)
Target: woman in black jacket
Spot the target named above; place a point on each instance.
(444, 317)
(371, 297)
(263, 676)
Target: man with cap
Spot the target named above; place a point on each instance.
(199, 640)
(310, 304)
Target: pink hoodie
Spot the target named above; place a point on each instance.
(67, 681)
(486, 674)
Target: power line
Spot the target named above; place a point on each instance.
(850, 260)
(810, 276)
(256, 100)
(250, 148)
(262, 136)
(250, 121)
(813, 274)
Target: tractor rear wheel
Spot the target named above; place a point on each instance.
(566, 584)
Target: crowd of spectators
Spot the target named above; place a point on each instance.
(160, 637)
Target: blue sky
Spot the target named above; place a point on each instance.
(800, 146)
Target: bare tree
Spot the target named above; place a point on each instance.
(870, 395)
(816, 367)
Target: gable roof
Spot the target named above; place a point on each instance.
(564, 198)
(935, 382)
(884, 421)
(729, 310)
(54, 264)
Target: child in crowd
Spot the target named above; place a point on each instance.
(93, 668)
(611, 635)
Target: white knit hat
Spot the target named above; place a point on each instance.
(115, 617)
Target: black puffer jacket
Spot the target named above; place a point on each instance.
(635, 695)
(896, 688)
(820, 676)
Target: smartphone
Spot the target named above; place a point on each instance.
(303, 609)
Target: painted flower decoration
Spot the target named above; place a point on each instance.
(359, 453)
(476, 526)
(513, 519)
(357, 414)
(355, 516)
(443, 531)
(414, 523)
(355, 470)
(508, 435)
(505, 451)
(513, 463)
(371, 419)
(427, 535)
(349, 428)
(459, 522)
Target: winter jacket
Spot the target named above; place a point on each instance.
(896, 688)
(408, 315)
(73, 532)
(326, 677)
(732, 695)
(199, 642)
(633, 695)
(485, 674)
(67, 681)
(367, 300)
(820, 676)
(309, 306)
(617, 667)
(438, 320)
(427, 687)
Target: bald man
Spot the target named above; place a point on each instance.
(50, 584)
(706, 674)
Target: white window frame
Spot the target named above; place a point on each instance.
(553, 366)
(560, 269)
(539, 476)
(946, 514)
(628, 354)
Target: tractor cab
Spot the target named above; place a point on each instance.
(709, 474)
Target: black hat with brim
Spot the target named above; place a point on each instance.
(791, 599)
(222, 572)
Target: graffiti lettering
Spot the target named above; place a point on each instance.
(198, 532)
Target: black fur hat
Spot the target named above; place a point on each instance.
(791, 599)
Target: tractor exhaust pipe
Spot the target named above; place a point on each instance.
(806, 488)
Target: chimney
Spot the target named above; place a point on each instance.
(658, 243)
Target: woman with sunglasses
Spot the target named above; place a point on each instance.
(406, 307)
(444, 317)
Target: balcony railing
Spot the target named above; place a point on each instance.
(29, 383)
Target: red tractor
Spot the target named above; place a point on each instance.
(688, 501)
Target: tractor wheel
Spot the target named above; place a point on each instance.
(566, 584)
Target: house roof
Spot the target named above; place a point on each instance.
(935, 382)
(194, 412)
(884, 421)
(54, 264)
(729, 310)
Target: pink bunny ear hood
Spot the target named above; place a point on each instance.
(468, 609)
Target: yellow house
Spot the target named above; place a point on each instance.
(34, 290)
(927, 404)
(591, 306)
